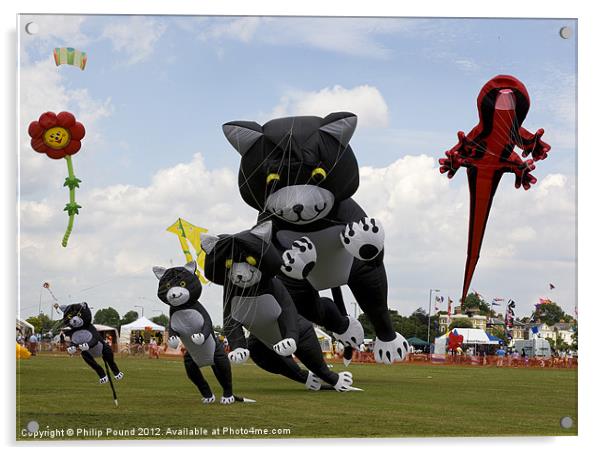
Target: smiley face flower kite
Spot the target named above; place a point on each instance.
(59, 136)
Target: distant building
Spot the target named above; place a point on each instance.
(519, 331)
(561, 331)
(477, 321)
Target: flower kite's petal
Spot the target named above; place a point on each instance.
(72, 148)
(55, 154)
(65, 119)
(48, 120)
(77, 131)
(35, 129)
(37, 143)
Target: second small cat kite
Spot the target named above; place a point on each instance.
(487, 152)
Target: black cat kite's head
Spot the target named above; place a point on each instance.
(178, 285)
(296, 168)
(76, 315)
(244, 259)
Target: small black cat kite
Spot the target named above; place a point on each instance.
(77, 317)
(190, 323)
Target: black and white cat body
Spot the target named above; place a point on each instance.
(300, 172)
(77, 318)
(190, 323)
(246, 264)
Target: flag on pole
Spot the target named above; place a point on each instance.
(438, 300)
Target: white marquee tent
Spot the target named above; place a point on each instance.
(471, 337)
(141, 323)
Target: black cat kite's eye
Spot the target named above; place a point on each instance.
(318, 174)
(273, 176)
(183, 284)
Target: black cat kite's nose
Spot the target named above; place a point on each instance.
(298, 208)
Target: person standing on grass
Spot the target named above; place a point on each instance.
(62, 341)
(33, 344)
(500, 356)
(153, 349)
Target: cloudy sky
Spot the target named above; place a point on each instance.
(156, 91)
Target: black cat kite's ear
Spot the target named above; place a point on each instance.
(340, 125)
(191, 266)
(263, 231)
(159, 271)
(242, 135)
(63, 308)
(208, 242)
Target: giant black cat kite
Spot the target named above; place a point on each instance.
(301, 173)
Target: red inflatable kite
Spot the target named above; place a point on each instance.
(487, 152)
(454, 340)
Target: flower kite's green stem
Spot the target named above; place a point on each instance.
(71, 208)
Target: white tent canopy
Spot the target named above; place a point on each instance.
(141, 323)
(25, 326)
(471, 336)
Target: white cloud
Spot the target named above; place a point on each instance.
(54, 31)
(241, 29)
(350, 36)
(529, 242)
(120, 234)
(364, 100)
(136, 38)
(41, 90)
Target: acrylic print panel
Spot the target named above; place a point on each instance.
(360, 291)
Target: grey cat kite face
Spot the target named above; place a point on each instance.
(178, 285)
(244, 259)
(245, 274)
(300, 204)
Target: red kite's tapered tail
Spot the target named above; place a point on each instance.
(482, 184)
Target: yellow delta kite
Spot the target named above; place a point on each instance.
(190, 235)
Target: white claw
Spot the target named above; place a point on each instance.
(344, 383)
(312, 382)
(299, 259)
(364, 239)
(198, 338)
(227, 400)
(239, 355)
(173, 342)
(286, 347)
(209, 400)
(388, 352)
(353, 336)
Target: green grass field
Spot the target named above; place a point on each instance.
(406, 400)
